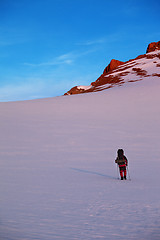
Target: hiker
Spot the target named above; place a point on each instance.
(122, 162)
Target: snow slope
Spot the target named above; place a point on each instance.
(143, 67)
(58, 179)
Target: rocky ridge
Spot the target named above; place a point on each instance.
(153, 47)
(118, 73)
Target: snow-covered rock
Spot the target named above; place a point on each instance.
(118, 73)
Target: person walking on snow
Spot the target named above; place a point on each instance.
(122, 162)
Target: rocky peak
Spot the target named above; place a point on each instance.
(112, 65)
(117, 72)
(153, 46)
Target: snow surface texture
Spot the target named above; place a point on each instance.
(58, 179)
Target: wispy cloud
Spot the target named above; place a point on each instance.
(115, 36)
(68, 59)
(62, 59)
(92, 42)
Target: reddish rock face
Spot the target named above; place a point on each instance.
(75, 90)
(100, 81)
(113, 64)
(153, 46)
(115, 74)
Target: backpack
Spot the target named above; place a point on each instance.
(120, 158)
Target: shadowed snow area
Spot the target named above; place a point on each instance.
(58, 178)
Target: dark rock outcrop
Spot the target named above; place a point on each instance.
(112, 65)
(100, 81)
(116, 71)
(153, 46)
(75, 90)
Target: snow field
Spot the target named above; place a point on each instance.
(58, 178)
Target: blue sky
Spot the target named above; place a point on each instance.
(49, 46)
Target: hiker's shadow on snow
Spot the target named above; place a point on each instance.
(90, 172)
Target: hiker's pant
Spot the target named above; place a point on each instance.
(122, 170)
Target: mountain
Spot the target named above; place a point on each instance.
(118, 73)
(58, 177)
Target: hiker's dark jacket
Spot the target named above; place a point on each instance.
(123, 162)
